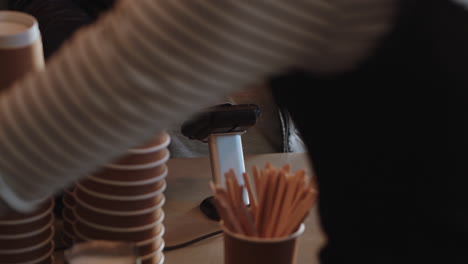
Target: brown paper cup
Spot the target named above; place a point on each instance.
(250, 250)
(99, 251)
(142, 163)
(39, 254)
(67, 239)
(124, 189)
(16, 218)
(87, 230)
(68, 214)
(26, 242)
(119, 219)
(155, 257)
(68, 228)
(24, 228)
(49, 260)
(20, 46)
(138, 159)
(119, 203)
(156, 243)
(159, 142)
(68, 199)
(138, 176)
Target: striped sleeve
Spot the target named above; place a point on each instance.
(148, 63)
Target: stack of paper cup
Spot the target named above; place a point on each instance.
(28, 238)
(68, 216)
(124, 200)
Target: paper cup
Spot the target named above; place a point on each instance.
(28, 234)
(101, 252)
(154, 257)
(89, 230)
(49, 260)
(158, 204)
(158, 143)
(68, 199)
(20, 46)
(26, 242)
(147, 181)
(68, 228)
(23, 228)
(32, 256)
(154, 260)
(29, 248)
(141, 175)
(100, 217)
(152, 245)
(137, 159)
(120, 203)
(250, 250)
(162, 159)
(143, 248)
(67, 239)
(68, 215)
(121, 190)
(15, 218)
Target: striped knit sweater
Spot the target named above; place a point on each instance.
(148, 63)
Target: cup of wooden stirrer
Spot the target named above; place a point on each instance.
(267, 230)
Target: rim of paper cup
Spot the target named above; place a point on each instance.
(122, 213)
(121, 229)
(31, 248)
(33, 233)
(148, 241)
(67, 205)
(159, 147)
(140, 166)
(130, 183)
(294, 235)
(23, 38)
(30, 219)
(162, 259)
(65, 217)
(152, 254)
(126, 197)
(44, 257)
(141, 243)
(68, 234)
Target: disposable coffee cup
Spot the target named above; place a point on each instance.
(23, 228)
(20, 46)
(155, 257)
(102, 217)
(253, 250)
(26, 242)
(102, 252)
(124, 189)
(143, 248)
(158, 203)
(15, 218)
(134, 176)
(32, 256)
(122, 203)
(156, 144)
(160, 157)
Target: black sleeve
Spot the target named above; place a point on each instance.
(58, 19)
(388, 143)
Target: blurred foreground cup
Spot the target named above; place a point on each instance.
(20, 46)
(102, 252)
(253, 250)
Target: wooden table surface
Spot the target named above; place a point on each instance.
(188, 185)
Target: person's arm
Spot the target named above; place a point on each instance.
(152, 63)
